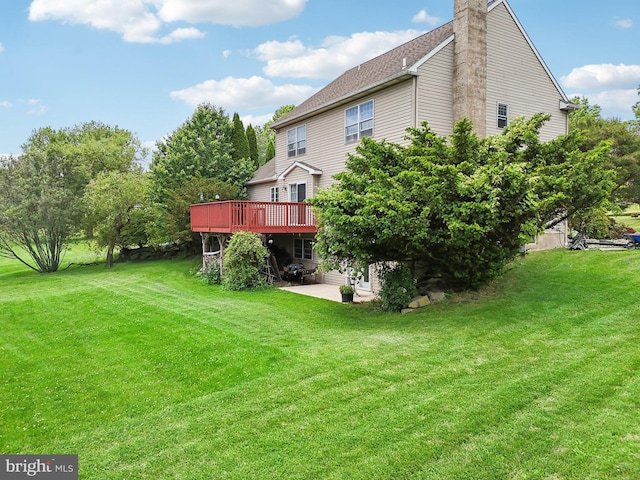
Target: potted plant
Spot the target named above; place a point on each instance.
(347, 293)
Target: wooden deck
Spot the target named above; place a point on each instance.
(258, 217)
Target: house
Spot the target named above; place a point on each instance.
(482, 66)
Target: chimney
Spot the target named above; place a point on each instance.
(470, 63)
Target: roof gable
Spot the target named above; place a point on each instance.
(493, 5)
(393, 66)
(311, 170)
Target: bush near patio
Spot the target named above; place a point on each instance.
(146, 372)
(243, 259)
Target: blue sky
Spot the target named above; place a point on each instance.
(144, 65)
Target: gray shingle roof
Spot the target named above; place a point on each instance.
(377, 71)
(265, 173)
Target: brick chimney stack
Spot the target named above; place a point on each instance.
(470, 63)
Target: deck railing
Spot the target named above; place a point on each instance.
(259, 217)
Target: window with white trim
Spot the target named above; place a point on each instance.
(297, 141)
(275, 194)
(297, 192)
(503, 115)
(303, 248)
(358, 122)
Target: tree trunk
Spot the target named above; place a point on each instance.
(110, 248)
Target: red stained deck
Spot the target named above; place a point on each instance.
(258, 217)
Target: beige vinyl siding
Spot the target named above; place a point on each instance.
(326, 146)
(261, 192)
(297, 175)
(435, 92)
(516, 77)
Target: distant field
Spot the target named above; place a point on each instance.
(147, 373)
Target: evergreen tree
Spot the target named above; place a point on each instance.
(253, 145)
(240, 142)
(271, 151)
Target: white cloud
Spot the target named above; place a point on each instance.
(224, 12)
(226, 53)
(180, 34)
(423, 17)
(1, 48)
(336, 54)
(624, 23)
(243, 93)
(141, 21)
(38, 110)
(256, 120)
(614, 103)
(593, 77)
(6, 104)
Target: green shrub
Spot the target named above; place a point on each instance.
(213, 274)
(398, 287)
(595, 223)
(243, 259)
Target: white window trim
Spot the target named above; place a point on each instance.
(306, 191)
(276, 197)
(373, 114)
(502, 117)
(296, 151)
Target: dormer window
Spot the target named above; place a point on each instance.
(297, 141)
(358, 122)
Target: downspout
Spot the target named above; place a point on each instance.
(414, 103)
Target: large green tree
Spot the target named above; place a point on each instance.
(462, 208)
(177, 214)
(240, 150)
(624, 155)
(267, 137)
(41, 192)
(111, 200)
(201, 147)
(253, 146)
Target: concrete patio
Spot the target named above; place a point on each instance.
(328, 292)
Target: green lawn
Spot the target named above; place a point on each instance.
(630, 217)
(146, 373)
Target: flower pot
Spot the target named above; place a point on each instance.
(347, 297)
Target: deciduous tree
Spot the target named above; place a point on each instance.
(41, 191)
(464, 207)
(266, 136)
(111, 200)
(624, 155)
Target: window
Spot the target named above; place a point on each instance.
(503, 115)
(275, 194)
(358, 122)
(303, 248)
(297, 192)
(297, 141)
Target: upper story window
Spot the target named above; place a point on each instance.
(297, 141)
(275, 194)
(503, 115)
(358, 122)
